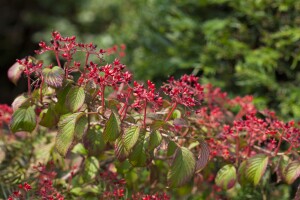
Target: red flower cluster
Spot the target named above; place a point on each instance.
(143, 95)
(186, 91)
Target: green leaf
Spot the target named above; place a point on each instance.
(203, 156)
(138, 156)
(171, 148)
(75, 98)
(176, 114)
(93, 141)
(62, 93)
(91, 166)
(66, 132)
(49, 117)
(256, 167)
(242, 173)
(120, 150)
(53, 77)
(226, 177)
(112, 128)
(79, 149)
(131, 136)
(292, 171)
(80, 127)
(182, 168)
(23, 119)
(155, 140)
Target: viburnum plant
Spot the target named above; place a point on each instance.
(118, 138)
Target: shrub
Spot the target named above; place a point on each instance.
(90, 131)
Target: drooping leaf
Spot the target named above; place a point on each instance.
(137, 156)
(93, 141)
(75, 98)
(120, 150)
(292, 171)
(155, 140)
(256, 167)
(15, 71)
(242, 174)
(66, 131)
(60, 106)
(20, 101)
(130, 137)
(171, 148)
(226, 177)
(23, 119)
(91, 167)
(54, 77)
(203, 156)
(112, 128)
(182, 168)
(49, 117)
(80, 127)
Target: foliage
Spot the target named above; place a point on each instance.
(100, 134)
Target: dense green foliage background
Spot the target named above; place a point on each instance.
(244, 47)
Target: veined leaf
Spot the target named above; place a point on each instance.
(226, 177)
(242, 173)
(80, 127)
(66, 132)
(292, 171)
(182, 168)
(155, 140)
(203, 156)
(120, 150)
(112, 128)
(60, 106)
(23, 119)
(75, 98)
(91, 167)
(49, 117)
(80, 149)
(20, 101)
(93, 141)
(54, 77)
(138, 157)
(171, 148)
(131, 136)
(256, 167)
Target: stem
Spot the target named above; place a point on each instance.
(278, 146)
(237, 149)
(28, 84)
(145, 112)
(171, 111)
(102, 99)
(249, 144)
(57, 58)
(86, 62)
(41, 90)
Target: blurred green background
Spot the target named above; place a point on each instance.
(244, 47)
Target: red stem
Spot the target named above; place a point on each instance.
(102, 98)
(145, 112)
(278, 146)
(57, 58)
(41, 90)
(171, 111)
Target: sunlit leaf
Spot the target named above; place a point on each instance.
(112, 128)
(91, 167)
(66, 132)
(15, 71)
(182, 167)
(130, 136)
(226, 177)
(53, 76)
(256, 167)
(23, 119)
(292, 171)
(75, 98)
(242, 173)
